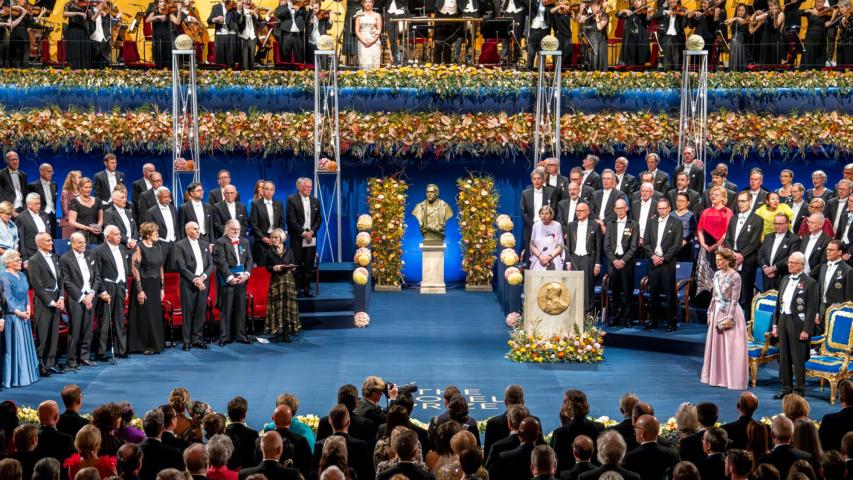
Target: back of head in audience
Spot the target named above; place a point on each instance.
(611, 448)
(334, 453)
(738, 463)
(747, 403)
(332, 473)
(348, 395)
(46, 469)
(582, 448)
(152, 423)
(707, 414)
(802, 467)
(170, 474)
(782, 429)
(847, 445)
(195, 458)
(25, 438)
(764, 471)
(648, 427)
(715, 440)
(11, 469)
(72, 397)
(444, 433)
(515, 414)
(282, 416)
(238, 407)
(640, 409)
(514, 395)
(543, 460)
(685, 471)
(90, 473)
(626, 404)
(529, 430)
(406, 445)
(795, 407)
(219, 450)
(129, 459)
(832, 466)
(271, 445)
(470, 460)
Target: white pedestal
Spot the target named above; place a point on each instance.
(432, 263)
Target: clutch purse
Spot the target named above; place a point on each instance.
(721, 324)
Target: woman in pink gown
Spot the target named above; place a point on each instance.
(726, 362)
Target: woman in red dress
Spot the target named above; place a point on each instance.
(88, 443)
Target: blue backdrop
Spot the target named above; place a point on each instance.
(511, 176)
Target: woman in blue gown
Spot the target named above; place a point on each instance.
(20, 363)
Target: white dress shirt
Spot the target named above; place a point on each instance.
(511, 7)
(169, 234)
(777, 242)
(248, 33)
(394, 10)
(270, 215)
(116, 251)
(605, 196)
(830, 273)
(620, 230)
(49, 258)
(573, 203)
(40, 226)
(838, 212)
(450, 7)
(111, 180)
(198, 209)
(810, 245)
(539, 20)
(98, 35)
(788, 296)
(671, 29)
(19, 195)
(84, 270)
(48, 197)
(232, 209)
(795, 207)
(661, 233)
(537, 203)
(306, 211)
(741, 220)
(293, 27)
(199, 262)
(645, 210)
(125, 221)
(580, 247)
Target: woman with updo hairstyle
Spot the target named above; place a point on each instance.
(686, 421)
(443, 454)
(795, 407)
(726, 363)
(462, 441)
(126, 432)
(213, 424)
(179, 399)
(9, 239)
(88, 444)
(397, 417)
(107, 419)
(145, 327)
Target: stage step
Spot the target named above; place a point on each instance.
(334, 296)
(327, 320)
(336, 271)
(689, 339)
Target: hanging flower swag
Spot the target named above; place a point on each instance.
(477, 202)
(387, 201)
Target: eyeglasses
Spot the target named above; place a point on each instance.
(741, 200)
(782, 224)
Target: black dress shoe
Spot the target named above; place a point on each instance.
(671, 328)
(202, 346)
(244, 341)
(780, 395)
(88, 363)
(186, 347)
(72, 366)
(55, 370)
(148, 352)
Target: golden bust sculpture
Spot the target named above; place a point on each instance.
(432, 214)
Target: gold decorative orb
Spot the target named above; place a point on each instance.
(695, 43)
(509, 257)
(550, 43)
(507, 240)
(360, 275)
(325, 42)
(364, 223)
(362, 239)
(183, 42)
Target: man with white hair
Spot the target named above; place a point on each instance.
(813, 245)
(194, 263)
(332, 473)
(229, 208)
(13, 182)
(836, 206)
(611, 450)
(266, 215)
(80, 282)
(30, 222)
(122, 217)
(533, 198)
(303, 220)
(553, 177)
(46, 188)
(644, 210)
(794, 323)
(112, 267)
(45, 279)
(784, 455)
(138, 187)
(166, 218)
(233, 265)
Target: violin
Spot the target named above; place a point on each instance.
(824, 11)
(14, 11)
(324, 14)
(680, 10)
(168, 8)
(301, 3)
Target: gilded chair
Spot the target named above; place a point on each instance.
(759, 331)
(832, 364)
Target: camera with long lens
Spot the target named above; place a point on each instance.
(408, 388)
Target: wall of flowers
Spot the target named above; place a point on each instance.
(386, 198)
(477, 202)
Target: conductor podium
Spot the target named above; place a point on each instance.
(553, 302)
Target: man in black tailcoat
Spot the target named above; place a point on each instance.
(303, 222)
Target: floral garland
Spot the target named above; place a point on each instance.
(419, 134)
(586, 348)
(441, 79)
(386, 198)
(477, 202)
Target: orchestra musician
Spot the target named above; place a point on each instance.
(738, 30)
(248, 27)
(845, 33)
(706, 22)
(101, 34)
(77, 48)
(468, 30)
(319, 23)
(561, 22)
(635, 33)
(223, 18)
(819, 18)
(19, 39)
(771, 23)
(516, 10)
(593, 25)
(540, 27)
(291, 26)
(395, 9)
(671, 23)
(445, 34)
(164, 24)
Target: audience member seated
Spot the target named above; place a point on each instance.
(442, 454)
(686, 424)
(457, 410)
(156, 456)
(333, 452)
(49, 469)
(106, 418)
(219, 450)
(806, 438)
(573, 415)
(833, 426)
(52, 443)
(714, 443)
(690, 448)
(471, 462)
(461, 441)
(651, 460)
(300, 453)
(611, 451)
(129, 461)
(356, 450)
(582, 450)
(406, 447)
(88, 444)
(272, 449)
(243, 438)
(497, 427)
(626, 426)
(747, 403)
(783, 454)
(392, 458)
(738, 464)
(515, 464)
(360, 427)
(70, 422)
(195, 458)
(515, 414)
(25, 439)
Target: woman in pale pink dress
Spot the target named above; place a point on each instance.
(726, 362)
(69, 192)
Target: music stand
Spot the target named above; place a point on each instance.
(500, 27)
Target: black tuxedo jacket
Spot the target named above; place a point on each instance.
(587, 193)
(363, 429)
(358, 452)
(101, 186)
(737, 432)
(801, 216)
(187, 214)
(651, 461)
(563, 437)
(409, 470)
(840, 287)
(696, 180)
(660, 182)
(286, 19)
(694, 203)
(374, 413)
(504, 4)
(790, 244)
(630, 241)
(629, 185)
(575, 472)
(832, 207)
(243, 19)
(513, 464)
(295, 219)
(221, 215)
(593, 180)
(549, 197)
(636, 209)
(593, 240)
(842, 226)
(626, 429)
(818, 252)
(137, 188)
(510, 442)
(680, 25)
(54, 444)
(749, 241)
(562, 181)
(215, 196)
(185, 259)
(169, 439)
(272, 470)
(217, 10)
(783, 456)
(70, 423)
(834, 426)
(260, 220)
(154, 214)
(244, 439)
(106, 265)
(497, 429)
(27, 231)
(671, 243)
(690, 448)
(609, 213)
(563, 210)
(301, 453)
(158, 456)
(224, 257)
(145, 202)
(596, 473)
(112, 217)
(760, 197)
(7, 187)
(804, 303)
(72, 276)
(46, 287)
(37, 188)
(713, 467)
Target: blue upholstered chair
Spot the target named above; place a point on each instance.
(833, 362)
(641, 270)
(759, 331)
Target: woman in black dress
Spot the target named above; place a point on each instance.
(635, 35)
(85, 214)
(771, 44)
(164, 25)
(19, 45)
(77, 44)
(844, 54)
(146, 317)
(738, 30)
(282, 319)
(814, 54)
(350, 47)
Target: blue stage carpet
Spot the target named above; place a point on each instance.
(458, 338)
